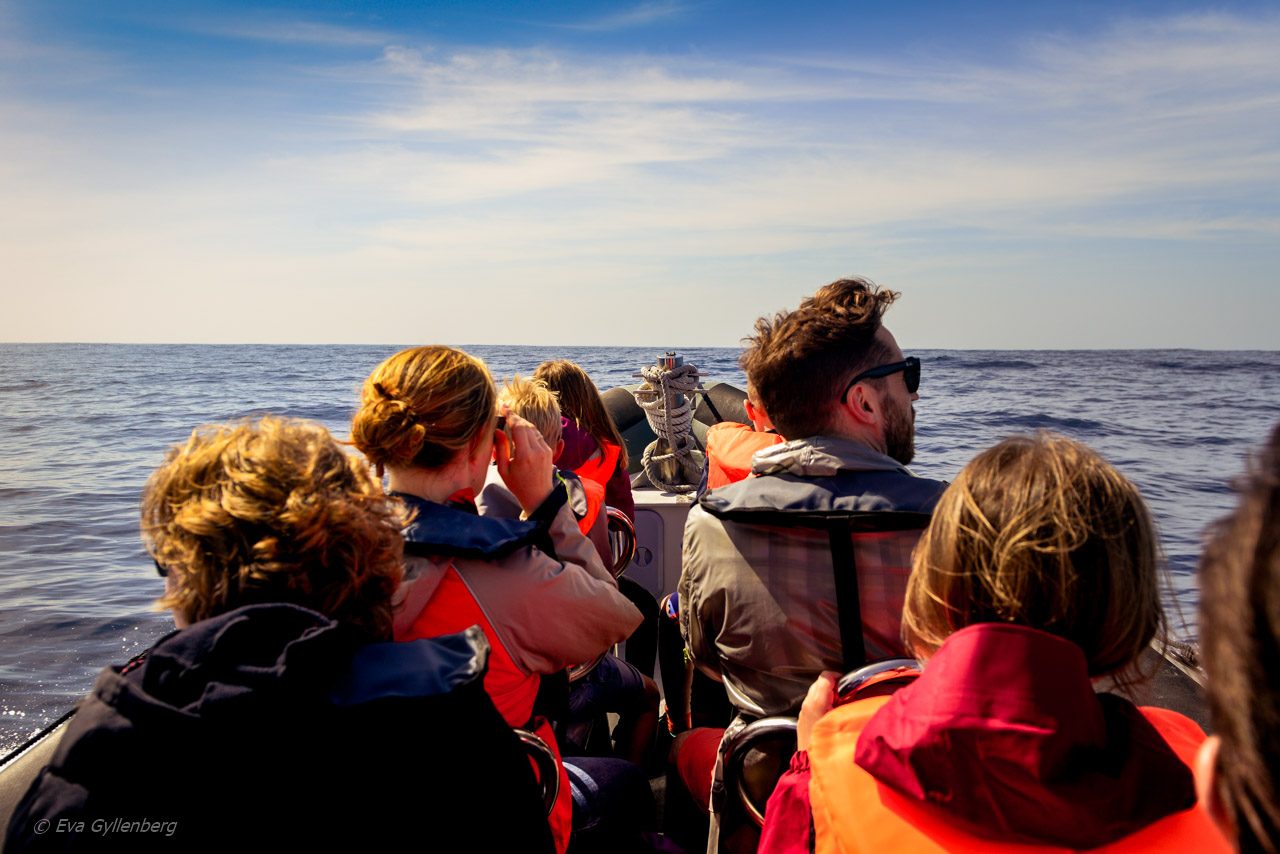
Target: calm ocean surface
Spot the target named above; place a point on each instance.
(82, 426)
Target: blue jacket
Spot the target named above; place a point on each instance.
(274, 725)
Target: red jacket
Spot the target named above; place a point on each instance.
(1000, 745)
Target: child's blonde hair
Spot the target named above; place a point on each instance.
(536, 403)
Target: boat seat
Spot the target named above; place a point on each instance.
(870, 553)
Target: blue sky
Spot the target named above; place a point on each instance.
(655, 173)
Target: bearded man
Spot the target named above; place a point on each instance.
(757, 596)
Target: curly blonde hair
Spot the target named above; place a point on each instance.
(1040, 531)
(422, 406)
(273, 511)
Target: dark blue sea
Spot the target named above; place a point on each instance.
(82, 426)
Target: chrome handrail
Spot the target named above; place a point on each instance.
(546, 763)
(734, 750)
(888, 672)
(578, 671)
(622, 540)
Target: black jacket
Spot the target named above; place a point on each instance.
(272, 725)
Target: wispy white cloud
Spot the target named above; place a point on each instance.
(695, 176)
(1064, 128)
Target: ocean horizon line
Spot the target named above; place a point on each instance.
(656, 347)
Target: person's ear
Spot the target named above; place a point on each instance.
(559, 450)
(476, 443)
(1206, 773)
(863, 404)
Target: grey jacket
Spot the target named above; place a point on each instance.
(539, 584)
(497, 501)
(757, 602)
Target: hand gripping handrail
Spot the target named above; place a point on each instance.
(877, 678)
(894, 672)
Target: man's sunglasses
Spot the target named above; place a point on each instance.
(909, 366)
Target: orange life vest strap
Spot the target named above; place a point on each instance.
(595, 503)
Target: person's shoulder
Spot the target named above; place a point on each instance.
(1181, 732)
(701, 531)
(578, 446)
(908, 491)
(745, 492)
(426, 667)
(497, 501)
(725, 427)
(442, 529)
(576, 488)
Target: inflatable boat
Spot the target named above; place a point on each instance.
(1177, 682)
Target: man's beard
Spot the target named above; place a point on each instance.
(900, 433)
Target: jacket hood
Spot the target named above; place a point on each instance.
(459, 530)
(822, 475)
(231, 663)
(1004, 734)
(822, 456)
(280, 658)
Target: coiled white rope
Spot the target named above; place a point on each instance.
(670, 418)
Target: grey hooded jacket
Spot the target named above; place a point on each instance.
(757, 601)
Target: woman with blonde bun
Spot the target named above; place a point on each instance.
(535, 585)
(1037, 575)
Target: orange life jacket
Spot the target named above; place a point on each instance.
(730, 446)
(853, 812)
(595, 503)
(601, 468)
(453, 608)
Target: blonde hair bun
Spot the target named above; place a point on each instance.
(422, 406)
